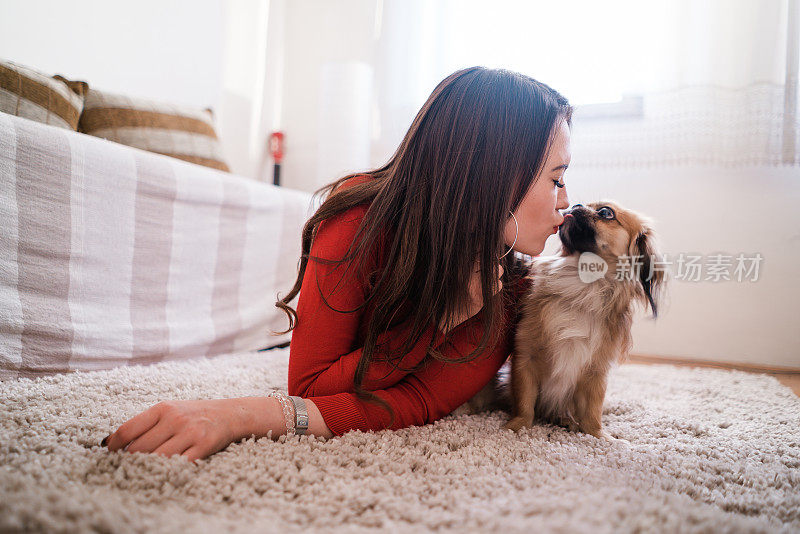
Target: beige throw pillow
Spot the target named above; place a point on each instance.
(33, 95)
(179, 131)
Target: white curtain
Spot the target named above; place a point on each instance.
(696, 81)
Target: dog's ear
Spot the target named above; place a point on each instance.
(652, 277)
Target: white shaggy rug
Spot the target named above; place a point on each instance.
(712, 451)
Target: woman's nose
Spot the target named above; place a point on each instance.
(563, 200)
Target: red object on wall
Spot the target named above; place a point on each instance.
(276, 146)
(276, 151)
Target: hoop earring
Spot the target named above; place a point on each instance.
(515, 237)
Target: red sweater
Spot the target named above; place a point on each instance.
(324, 351)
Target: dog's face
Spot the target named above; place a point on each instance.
(617, 235)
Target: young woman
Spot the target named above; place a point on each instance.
(409, 288)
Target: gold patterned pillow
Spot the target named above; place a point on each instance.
(179, 131)
(33, 95)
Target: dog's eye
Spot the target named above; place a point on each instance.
(606, 212)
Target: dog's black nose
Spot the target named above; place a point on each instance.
(577, 205)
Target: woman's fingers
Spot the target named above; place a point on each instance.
(133, 428)
(193, 428)
(152, 439)
(198, 452)
(177, 444)
(204, 447)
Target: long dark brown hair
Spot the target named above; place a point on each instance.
(471, 154)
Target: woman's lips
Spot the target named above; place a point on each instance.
(567, 216)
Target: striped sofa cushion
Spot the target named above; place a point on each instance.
(112, 256)
(179, 131)
(30, 94)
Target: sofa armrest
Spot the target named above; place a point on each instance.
(111, 255)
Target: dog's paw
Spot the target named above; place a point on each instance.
(516, 423)
(568, 423)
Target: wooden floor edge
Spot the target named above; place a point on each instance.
(771, 369)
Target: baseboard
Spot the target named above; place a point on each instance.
(771, 369)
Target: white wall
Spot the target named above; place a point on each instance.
(317, 32)
(163, 50)
(251, 80)
(202, 53)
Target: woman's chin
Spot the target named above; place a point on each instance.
(530, 251)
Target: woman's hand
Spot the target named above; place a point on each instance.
(476, 299)
(192, 428)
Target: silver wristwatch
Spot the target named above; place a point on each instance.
(301, 424)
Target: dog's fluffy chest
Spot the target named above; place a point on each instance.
(575, 328)
(577, 336)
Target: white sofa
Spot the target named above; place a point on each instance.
(110, 255)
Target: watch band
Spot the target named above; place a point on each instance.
(301, 419)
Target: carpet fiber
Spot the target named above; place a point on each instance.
(711, 450)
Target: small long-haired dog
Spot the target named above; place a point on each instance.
(576, 320)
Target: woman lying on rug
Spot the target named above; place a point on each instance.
(410, 296)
